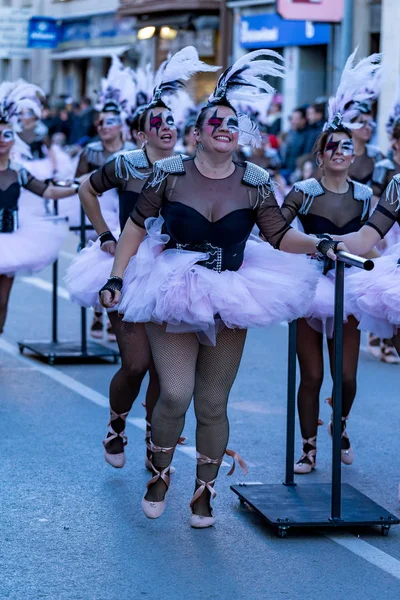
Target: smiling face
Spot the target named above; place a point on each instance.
(364, 133)
(160, 131)
(6, 139)
(219, 131)
(338, 153)
(109, 126)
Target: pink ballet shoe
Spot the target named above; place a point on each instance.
(151, 508)
(308, 459)
(200, 521)
(115, 460)
(347, 453)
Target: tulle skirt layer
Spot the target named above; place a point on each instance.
(322, 311)
(88, 273)
(168, 286)
(374, 296)
(33, 246)
(71, 208)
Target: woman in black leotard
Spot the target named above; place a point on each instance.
(196, 278)
(334, 205)
(27, 244)
(126, 175)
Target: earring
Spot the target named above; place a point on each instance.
(199, 145)
(144, 142)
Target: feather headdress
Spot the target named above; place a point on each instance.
(17, 96)
(246, 82)
(358, 88)
(174, 72)
(118, 90)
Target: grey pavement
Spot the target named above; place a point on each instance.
(72, 527)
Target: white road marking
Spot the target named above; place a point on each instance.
(357, 546)
(42, 284)
(368, 552)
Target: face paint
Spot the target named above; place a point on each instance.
(155, 122)
(370, 124)
(215, 121)
(110, 122)
(233, 125)
(7, 135)
(346, 147)
(170, 122)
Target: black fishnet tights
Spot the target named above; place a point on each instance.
(136, 360)
(5, 290)
(187, 368)
(310, 356)
(396, 342)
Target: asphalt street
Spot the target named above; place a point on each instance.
(72, 527)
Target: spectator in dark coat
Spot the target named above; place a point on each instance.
(296, 141)
(315, 120)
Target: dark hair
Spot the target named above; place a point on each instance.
(319, 108)
(301, 110)
(322, 139)
(396, 132)
(202, 114)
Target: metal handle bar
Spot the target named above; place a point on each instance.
(355, 261)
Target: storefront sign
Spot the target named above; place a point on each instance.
(271, 31)
(43, 32)
(14, 32)
(97, 31)
(329, 11)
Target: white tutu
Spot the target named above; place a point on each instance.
(88, 273)
(33, 246)
(321, 314)
(71, 208)
(374, 296)
(168, 286)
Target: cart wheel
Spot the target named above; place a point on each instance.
(282, 532)
(385, 530)
(51, 360)
(242, 502)
(21, 348)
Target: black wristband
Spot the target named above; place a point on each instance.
(106, 236)
(113, 284)
(327, 244)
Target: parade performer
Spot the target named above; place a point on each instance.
(127, 173)
(199, 283)
(333, 205)
(27, 243)
(366, 154)
(114, 104)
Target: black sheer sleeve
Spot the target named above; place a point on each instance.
(292, 204)
(32, 184)
(271, 222)
(106, 178)
(149, 202)
(387, 210)
(83, 165)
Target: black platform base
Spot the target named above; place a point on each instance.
(309, 505)
(53, 352)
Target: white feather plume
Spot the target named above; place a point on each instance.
(249, 133)
(246, 78)
(359, 84)
(119, 87)
(19, 95)
(182, 66)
